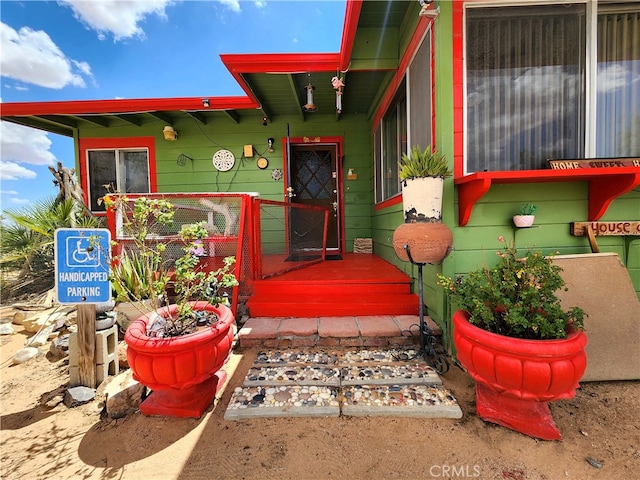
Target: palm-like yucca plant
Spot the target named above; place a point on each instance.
(28, 241)
(427, 163)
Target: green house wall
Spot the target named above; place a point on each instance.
(474, 244)
(200, 142)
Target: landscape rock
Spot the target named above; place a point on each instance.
(123, 362)
(24, 355)
(19, 318)
(76, 396)
(123, 395)
(46, 317)
(60, 346)
(6, 329)
(41, 337)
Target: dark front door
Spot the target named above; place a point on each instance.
(313, 178)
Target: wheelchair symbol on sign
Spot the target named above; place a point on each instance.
(80, 253)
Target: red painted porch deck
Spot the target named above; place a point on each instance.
(357, 285)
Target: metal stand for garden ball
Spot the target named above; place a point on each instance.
(427, 340)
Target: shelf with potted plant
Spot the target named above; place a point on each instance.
(516, 340)
(605, 185)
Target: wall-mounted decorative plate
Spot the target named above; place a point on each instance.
(276, 174)
(223, 160)
(262, 163)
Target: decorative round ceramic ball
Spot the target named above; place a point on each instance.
(428, 242)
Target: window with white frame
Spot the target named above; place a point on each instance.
(408, 119)
(537, 91)
(122, 170)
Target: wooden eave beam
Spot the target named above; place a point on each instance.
(198, 116)
(58, 120)
(131, 119)
(233, 115)
(294, 91)
(162, 117)
(95, 119)
(36, 122)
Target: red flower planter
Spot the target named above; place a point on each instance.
(183, 372)
(515, 378)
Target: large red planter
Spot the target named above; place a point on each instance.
(183, 372)
(515, 378)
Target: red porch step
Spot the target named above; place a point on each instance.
(360, 284)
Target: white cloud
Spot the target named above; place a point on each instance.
(14, 171)
(20, 145)
(20, 201)
(260, 3)
(31, 56)
(233, 5)
(118, 17)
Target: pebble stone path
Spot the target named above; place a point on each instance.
(320, 383)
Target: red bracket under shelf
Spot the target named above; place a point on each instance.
(605, 185)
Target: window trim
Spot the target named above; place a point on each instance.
(124, 143)
(423, 29)
(605, 184)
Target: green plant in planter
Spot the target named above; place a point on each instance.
(140, 272)
(528, 209)
(427, 163)
(516, 298)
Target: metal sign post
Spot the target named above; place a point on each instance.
(82, 258)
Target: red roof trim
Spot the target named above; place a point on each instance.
(237, 64)
(120, 106)
(351, 17)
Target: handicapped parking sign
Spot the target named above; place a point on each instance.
(82, 265)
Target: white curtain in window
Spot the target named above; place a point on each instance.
(618, 84)
(525, 86)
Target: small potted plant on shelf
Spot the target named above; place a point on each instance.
(517, 341)
(526, 217)
(178, 347)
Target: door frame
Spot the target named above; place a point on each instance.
(320, 141)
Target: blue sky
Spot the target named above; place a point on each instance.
(103, 49)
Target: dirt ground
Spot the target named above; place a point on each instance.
(54, 442)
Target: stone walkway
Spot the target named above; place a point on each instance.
(376, 331)
(324, 382)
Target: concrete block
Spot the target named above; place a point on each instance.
(106, 344)
(104, 370)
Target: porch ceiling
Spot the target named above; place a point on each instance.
(274, 83)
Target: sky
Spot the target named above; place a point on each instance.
(106, 49)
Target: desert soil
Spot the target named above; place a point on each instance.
(43, 439)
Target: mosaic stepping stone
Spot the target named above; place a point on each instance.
(402, 374)
(292, 375)
(381, 356)
(296, 357)
(283, 401)
(425, 401)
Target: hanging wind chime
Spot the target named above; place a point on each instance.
(338, 85)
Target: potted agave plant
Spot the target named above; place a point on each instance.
(422, 174)
(423, 238)
(178, 347)
(517, 341)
